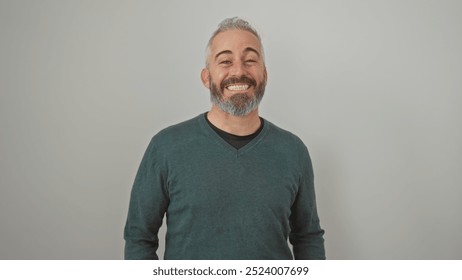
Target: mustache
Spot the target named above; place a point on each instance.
(238, 80)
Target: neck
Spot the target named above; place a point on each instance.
(240, 126)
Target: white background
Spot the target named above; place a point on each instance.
(374, 89)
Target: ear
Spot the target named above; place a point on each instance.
(205, 77)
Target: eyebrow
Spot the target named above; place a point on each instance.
(248, 49)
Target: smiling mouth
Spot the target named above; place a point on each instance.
(238, 87)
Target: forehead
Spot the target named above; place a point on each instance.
(236, 41)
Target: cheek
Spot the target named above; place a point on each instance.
(217, 79)
(259, 72)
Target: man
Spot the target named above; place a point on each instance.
(232, 185)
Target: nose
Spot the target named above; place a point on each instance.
(237, 69)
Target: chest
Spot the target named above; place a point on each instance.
(233, 186)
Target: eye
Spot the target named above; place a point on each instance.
(250, 61)
(225, 62)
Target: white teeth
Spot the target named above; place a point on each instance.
(238, 87)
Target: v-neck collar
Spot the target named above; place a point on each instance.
(222, 142)
(236, 141)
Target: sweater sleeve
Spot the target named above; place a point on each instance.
(306, 234)
(148, 204)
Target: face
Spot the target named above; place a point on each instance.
(236, 74)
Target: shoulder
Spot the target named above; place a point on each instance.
(178, 132)
(169, 139)
(289, 148)
(283, 137)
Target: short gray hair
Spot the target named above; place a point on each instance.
(234, 23)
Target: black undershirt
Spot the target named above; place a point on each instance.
(235, 140)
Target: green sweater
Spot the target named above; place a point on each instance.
(223, 203)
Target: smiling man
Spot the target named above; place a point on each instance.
(231, 184)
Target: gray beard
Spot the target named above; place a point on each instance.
(239, 104)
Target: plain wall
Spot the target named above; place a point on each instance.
(374, 89)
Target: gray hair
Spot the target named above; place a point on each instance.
(233, 23)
